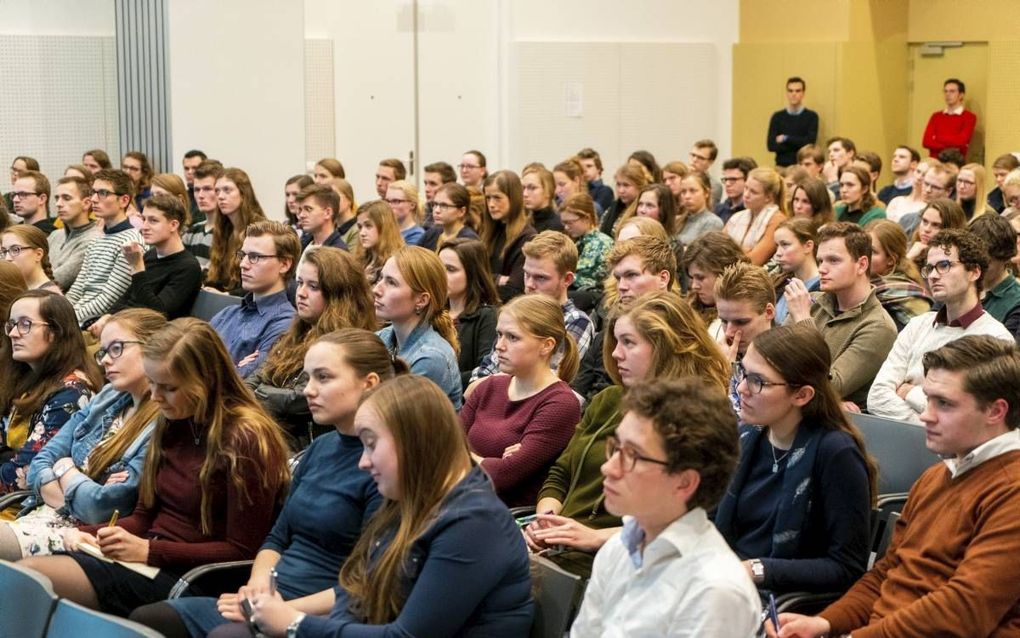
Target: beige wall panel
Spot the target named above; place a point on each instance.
(760, 71)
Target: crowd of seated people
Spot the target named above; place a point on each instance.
(660, 375)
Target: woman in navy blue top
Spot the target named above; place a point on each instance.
(442, 556)
(798, 508)
(329, 503)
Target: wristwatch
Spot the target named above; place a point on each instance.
(60, 470)
(757, 571)
(292, 628)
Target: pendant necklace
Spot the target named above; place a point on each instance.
(775, 460)
(198, 435)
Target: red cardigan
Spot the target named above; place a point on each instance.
(949, 131)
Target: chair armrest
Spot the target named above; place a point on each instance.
(13, 498)
(807, 603)
(222, 572)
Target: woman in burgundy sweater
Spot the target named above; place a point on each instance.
(519, 422)
(214, 470)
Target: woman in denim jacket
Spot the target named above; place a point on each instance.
(92, 466)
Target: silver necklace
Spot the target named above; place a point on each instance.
(775, 460)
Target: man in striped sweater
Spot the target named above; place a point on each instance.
(105, 274)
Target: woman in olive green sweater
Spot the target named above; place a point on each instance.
(658, 336)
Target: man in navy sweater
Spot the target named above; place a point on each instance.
(792, 127)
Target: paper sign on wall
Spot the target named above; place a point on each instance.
(573, 99)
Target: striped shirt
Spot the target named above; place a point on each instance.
(198, 241)
(105, 274)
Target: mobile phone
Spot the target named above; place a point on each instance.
(272, 581)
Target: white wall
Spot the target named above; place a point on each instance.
(57, 70)
(237, 88)
(635, 21)
(465, 63)
(57, 17)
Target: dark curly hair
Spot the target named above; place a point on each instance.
(698, 430)
(972, 249)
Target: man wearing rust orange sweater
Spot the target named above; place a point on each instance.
(951, 567)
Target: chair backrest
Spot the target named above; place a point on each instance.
(898, 447)
(557, 595)
(881, 540)
(71, 620)
(207, 304)
(26, 601)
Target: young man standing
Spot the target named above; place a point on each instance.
(951, 567)
(269, 256)
(166, 278)
(317, 206)
(792, 127)
(389, 171)
(105, 275)
(852, 321)
(904, 161)
(198, 238)
(953, 126)
(734, 177)
(957, 261)
(669, 571)
(68, 244)
(639, 265)
(31, 198)
(591, 162)
(746, 302)
(549, 262)
(190, 162)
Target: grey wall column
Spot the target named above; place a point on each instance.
(143, 80)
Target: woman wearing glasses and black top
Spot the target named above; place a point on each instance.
(798, 509)
(52, 377)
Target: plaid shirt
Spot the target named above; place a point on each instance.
(577, 323)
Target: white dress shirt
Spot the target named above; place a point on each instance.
(686, 582)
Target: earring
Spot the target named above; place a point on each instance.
(417, 310)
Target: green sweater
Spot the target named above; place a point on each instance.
(857, 216)
(580, 464)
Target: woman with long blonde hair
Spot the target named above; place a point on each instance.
(402, 196)
(518, 422)
(658, 336)
(93, 464)
(440, 557)
(378, 237)
(332, 293)
(765, 208)
(412, 296)
(330, 500)
(214, 471)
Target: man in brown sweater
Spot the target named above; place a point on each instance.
(951, 567)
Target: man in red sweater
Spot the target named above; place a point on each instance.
(953, 126)
(951, 567)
